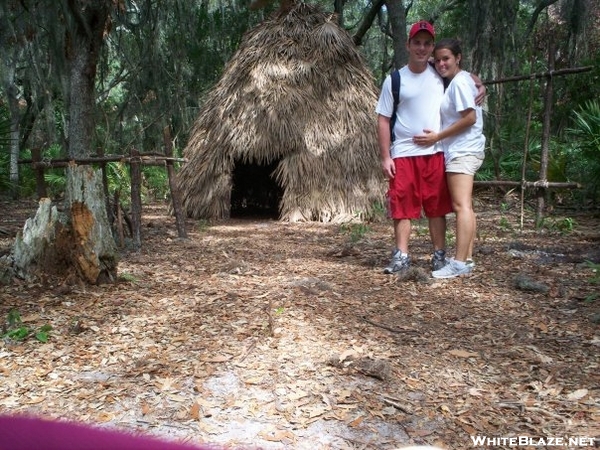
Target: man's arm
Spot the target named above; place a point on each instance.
(481, 89)
(384, 139)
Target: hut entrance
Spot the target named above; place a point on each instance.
(255, 192)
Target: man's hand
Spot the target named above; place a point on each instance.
(389, 168)
(481, 90)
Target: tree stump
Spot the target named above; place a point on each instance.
(78, 240)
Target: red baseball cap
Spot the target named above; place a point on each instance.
(421, 25)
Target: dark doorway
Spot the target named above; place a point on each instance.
(255, 192)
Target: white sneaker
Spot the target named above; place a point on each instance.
(451, 270)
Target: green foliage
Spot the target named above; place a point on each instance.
(126, 276)
(596, 270)
(356, 231)
(202, 225)
(119, 180)
(583, 144)
(156, 183)
(55, 179)
(595, 279)
(15, 330)
(505, 224)
(564, 225)
(378, 212)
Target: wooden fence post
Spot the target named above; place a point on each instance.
(544, 157)
(40, 182)
(136, 199)
(175, 197)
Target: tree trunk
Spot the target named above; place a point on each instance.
(94, 259)
(367, 21)
(12, 93)
(397, 18)
(78, 241)
(85, 43)
(338, 7)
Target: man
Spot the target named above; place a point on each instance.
(417, 179)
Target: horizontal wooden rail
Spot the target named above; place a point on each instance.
(529, 184)
(64, 162)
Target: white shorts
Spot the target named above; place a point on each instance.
(468, 164)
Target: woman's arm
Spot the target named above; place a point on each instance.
(468, 118)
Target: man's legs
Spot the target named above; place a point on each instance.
(437, 231)
(400, 259)
(402, 229)
(403, 201)
(436, 203)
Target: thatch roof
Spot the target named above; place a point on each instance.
(296, 91)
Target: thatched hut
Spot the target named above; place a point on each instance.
(290, 126)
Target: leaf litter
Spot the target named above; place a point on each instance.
(262, 334)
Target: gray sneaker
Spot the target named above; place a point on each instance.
(451, 270)
(397, 263)
(438, 260)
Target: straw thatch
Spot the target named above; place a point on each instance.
(298, 93)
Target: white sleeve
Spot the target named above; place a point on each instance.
(463, 92)
(385, 105)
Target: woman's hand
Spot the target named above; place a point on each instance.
(427, 139)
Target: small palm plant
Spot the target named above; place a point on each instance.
(586, 138)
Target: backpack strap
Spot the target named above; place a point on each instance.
(396, 94)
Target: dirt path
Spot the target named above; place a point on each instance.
(260, 334)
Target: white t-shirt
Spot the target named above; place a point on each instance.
(419, 108)
(460, 96)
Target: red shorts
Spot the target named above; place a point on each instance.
(420, 183)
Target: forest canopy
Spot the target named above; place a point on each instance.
(156, 61)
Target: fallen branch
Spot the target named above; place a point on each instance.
(395, 402)
(544, 412)
(385, 327)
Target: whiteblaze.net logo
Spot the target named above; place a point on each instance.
(528, 441)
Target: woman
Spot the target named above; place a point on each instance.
(464, 144)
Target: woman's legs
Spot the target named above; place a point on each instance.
(461, 190)
(472, 244)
